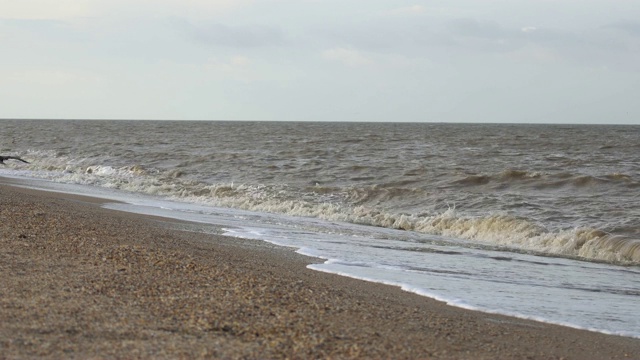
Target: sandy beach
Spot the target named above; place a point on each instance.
(79, 281)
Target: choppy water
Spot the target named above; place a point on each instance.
(490, 215)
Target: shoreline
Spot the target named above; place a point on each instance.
(83, 281)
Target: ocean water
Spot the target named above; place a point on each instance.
(534, 221)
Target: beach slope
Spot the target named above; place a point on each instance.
(79, 281)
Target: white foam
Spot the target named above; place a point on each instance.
(491, 229)
(463, 304)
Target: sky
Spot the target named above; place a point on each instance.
(492, 61)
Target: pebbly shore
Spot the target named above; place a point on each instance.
(79, 281)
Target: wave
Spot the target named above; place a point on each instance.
(475, 180)
(355, 205)
(539, 180)
(377, 194)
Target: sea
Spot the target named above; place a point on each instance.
(534, 221)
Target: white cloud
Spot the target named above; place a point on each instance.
(535, 53)
(237, 67)
(52, 77)
(191, 9)
(346, 56)
(45, 9)
(409, 10)
(228, 64)
(240, 60)
(217, 34)
(69, 9)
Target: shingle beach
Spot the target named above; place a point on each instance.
(80, 281)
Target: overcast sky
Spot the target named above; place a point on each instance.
(551, 61)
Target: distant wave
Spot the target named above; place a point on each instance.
(547, 181)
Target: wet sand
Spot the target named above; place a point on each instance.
(79, 281)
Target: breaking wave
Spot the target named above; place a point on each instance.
(356, 205)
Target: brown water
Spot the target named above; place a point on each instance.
(565, 190)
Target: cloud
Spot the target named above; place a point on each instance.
(478, 29)
(227, 65)
(442, 39)
(73, 9)
(464, 37)
(217, 34)
(629, 27)
(188, 9)
(409, 10)
(238, 68)
(45, 9)
(349, 57)
(535, 53)
(42, 28)
(240, 60)
(53, 77)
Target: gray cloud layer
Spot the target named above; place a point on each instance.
(455, 60)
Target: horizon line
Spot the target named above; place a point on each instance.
(323, 121)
